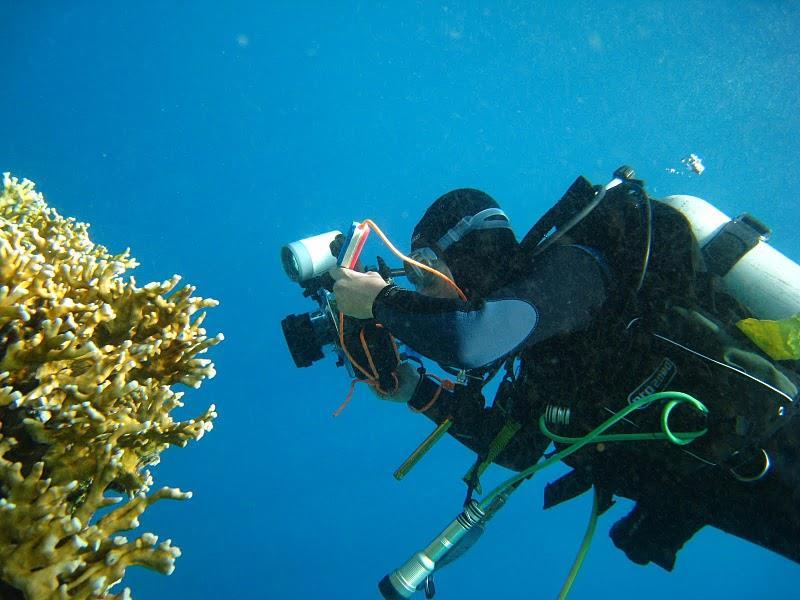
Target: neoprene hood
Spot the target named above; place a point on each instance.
(482, 260)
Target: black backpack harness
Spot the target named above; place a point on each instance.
(673, 323)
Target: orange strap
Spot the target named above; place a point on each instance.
(429, 404)
(419, 265)
(444, 384)
(344, 404)
(371, 378)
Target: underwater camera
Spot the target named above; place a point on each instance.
(362, 346)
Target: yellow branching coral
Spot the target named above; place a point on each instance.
(87, 365)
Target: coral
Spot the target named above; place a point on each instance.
(88, 362)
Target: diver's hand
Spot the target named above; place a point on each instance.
(355, 292)
(407, 378)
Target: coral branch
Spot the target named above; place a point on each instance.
(88, 362)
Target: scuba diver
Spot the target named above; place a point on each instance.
(611, 297)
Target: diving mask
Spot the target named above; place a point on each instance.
(490, 218)
(421, 278)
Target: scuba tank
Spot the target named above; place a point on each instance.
(756, 276)
(755, 273)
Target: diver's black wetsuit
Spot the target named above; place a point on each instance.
(560, 295)
(579, 350)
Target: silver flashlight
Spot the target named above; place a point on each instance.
(403, 582)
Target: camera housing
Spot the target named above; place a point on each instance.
(366, 344)
(306, 334)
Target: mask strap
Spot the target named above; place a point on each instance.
(474, 223)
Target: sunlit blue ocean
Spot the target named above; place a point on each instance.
(204, 135)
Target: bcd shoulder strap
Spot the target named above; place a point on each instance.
(574, 200)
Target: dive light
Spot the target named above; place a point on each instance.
(404, 581)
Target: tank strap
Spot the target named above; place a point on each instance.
(734, 239)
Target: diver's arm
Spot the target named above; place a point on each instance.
(452, 332)
(464, 406)
(475, 425)
(562, 293)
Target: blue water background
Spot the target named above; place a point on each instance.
(203, 135)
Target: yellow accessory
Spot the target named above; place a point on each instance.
(780, 340)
